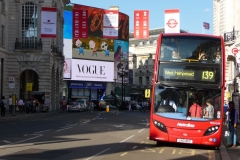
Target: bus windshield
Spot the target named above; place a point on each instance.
(189, 78)
(190, 49)
(187, 102)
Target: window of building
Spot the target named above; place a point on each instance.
(2, 35)
(29, 25)
(147, 80)
(140, 80)
(3, 6)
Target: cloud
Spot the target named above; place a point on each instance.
(207, 10)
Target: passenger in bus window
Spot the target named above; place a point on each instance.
(195, 110)
(218, 58)
(175, 56)
(169, 101)
(203, 58)
(209, 110)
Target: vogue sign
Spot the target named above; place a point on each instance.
(86, 70)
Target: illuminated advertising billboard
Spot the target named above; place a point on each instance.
(67, 32)
(67, 69)
(88, 70)
(121, 54)
(83, 33)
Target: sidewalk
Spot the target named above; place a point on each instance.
(228, 153)
(23, 114)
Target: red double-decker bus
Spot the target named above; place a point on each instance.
(188, 89)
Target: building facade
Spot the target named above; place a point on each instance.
(31, 66)
(226, 23)
(141, 63)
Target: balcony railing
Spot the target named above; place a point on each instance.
(28, 45)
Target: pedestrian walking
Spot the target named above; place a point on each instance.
(129, 106)
(27, 107)
(3, 106)
(64, 104)
(233, 124)
(20, 105)
(10, 106)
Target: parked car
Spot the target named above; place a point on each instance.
(83, 104)
(75, 106)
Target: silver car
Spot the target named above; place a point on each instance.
(75, 106)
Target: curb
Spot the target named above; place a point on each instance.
(25, 116)
(224, 153)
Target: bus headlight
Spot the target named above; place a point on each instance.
(160, 126)
(211, 130)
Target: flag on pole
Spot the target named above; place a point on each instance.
(206, 25)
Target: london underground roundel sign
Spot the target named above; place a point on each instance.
(172, 23)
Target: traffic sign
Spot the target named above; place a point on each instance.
(147, 93)
(11, 79)
(235, 51)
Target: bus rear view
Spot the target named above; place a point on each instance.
(188, 89)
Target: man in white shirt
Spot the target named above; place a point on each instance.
(20, 105)
(10, 104)
(169, 101)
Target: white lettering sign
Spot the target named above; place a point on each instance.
(185, 125)
(86, 70)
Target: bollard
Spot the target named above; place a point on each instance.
(107, 108)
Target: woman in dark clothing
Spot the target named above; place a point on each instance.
(233, 123)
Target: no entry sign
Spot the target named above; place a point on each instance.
(235, 51)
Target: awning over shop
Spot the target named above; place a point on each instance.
(87, 85)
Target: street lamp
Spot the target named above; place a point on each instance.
(122, 75)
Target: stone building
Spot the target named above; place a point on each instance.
(141, 63)
(226, 23)
(31, 66)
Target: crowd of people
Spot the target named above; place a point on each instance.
(21, 105)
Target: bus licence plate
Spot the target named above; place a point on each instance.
(184, 140)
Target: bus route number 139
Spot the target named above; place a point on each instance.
(208, 75)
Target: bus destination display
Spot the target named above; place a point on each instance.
(188, 74)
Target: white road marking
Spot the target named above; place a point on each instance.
(134, 147)
(127, 138)
(147, 122)
(98, 154)
(42, 131)
(63, 129)
(141, 130)
(7, 142)
(124, 154)
(28, 139)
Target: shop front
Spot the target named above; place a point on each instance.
(92, 91)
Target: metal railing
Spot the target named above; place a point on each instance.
(28, 45)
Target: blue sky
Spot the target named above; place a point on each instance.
(192, 12)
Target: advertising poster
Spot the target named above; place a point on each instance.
(110, 24)
(121, 50)
(172, 21)
(123, 27)
(94, 18)
(88, 70)
(67, 69)
(67, 32)
(80, 24)
(48, 22)
(121, 54)
(93, 48)
(141, 24)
